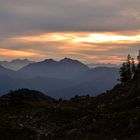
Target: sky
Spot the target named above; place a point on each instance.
(93, 31)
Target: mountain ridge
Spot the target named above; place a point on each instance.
(15, 64)
(63, 69)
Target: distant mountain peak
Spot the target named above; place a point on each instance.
(63, 69)
(72, 61)
(62, 61)
(67, 59)
(20, 61)
(49, 61)
(15, 64)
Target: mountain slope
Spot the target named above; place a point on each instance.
(4, 71)
(92, 82)
(8, 72)
(25, 95)
(99, 73)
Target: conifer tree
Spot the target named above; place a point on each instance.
(133, 67)
(125, 70)
(128, 64)
(123, 73)
(138, 57)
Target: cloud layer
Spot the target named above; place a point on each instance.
(68, 19)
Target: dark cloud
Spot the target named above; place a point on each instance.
(33, 16)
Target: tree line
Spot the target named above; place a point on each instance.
(129, 68)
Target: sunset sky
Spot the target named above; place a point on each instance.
(93, 31)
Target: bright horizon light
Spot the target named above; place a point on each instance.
(85, 46)
(99, 38)
(77, 38)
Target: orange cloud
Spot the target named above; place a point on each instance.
(46, 37)
(8, 52)
(70, 42)
(81, 37)
(98, 47)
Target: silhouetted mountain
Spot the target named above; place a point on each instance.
(113, 115)
(15, 64)
(63, 69)
(24, 95)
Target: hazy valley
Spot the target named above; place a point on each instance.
(59, 79)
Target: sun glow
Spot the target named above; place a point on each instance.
(101, 38)
(81, 45)
(80, 38)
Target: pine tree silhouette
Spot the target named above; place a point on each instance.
(138, 57)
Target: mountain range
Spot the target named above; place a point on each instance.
(15, 64)
(63, 69)
(59, 79)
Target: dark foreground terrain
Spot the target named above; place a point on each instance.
(30, 115)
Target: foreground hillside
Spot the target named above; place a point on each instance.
(114, 115)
